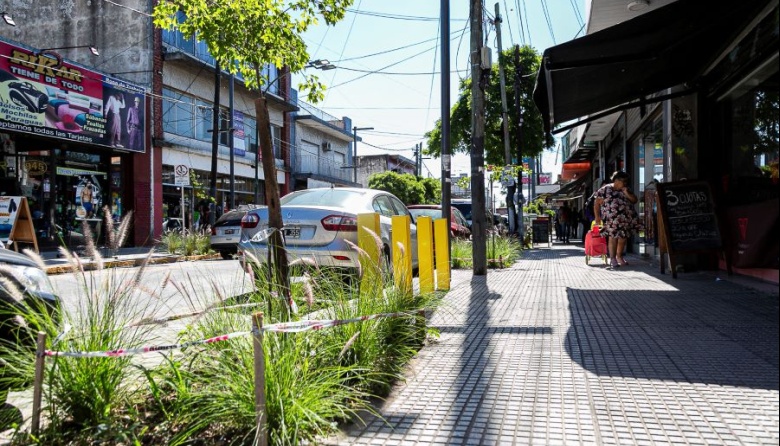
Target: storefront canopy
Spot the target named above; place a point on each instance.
(670, 46)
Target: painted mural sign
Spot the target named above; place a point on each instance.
(42, 94)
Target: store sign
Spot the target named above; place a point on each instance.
(35, 167)
(239, 136)
(43, 95)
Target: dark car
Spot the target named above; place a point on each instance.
(458, 224)
(24, 293)
(464, 206)
(226, 232)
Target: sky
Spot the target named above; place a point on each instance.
(387, 55)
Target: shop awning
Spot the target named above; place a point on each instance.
(570, 190)
(575, 170)
(670, 46)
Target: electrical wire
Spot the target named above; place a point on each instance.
(547, 18)
(346, 40)
(509, 23)
(399, 16)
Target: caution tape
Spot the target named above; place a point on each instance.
(147, 349)
(285, 327)
(318, 324)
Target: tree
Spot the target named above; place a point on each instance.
(403, 185)
(244, 36)
(534, 138)
(432, 190)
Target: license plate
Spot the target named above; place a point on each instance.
(229, 231)
(292, 232)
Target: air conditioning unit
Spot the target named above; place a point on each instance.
(327, 146)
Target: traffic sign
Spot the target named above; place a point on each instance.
(182, 175)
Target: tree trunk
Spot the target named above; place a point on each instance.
(280, 268)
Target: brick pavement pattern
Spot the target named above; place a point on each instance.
(556, 352)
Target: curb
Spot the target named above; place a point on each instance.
(129, 263)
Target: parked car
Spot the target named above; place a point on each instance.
(458, 224)
(464, 206)
(318, 221)
(37, 295)
(226, 232)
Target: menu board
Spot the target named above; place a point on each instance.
(541, 230)
(687, 219)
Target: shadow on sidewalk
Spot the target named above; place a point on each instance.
(720, 335)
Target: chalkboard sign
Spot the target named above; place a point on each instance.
(687, 221)
(541, 230)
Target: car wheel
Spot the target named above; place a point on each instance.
(226, 255)
(386, 265)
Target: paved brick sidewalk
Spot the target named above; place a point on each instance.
(553, 351)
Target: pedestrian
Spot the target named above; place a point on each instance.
(614, 211)
(565, 217)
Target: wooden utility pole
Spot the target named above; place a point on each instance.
(510, 186)
(518, 89)
(478, 83)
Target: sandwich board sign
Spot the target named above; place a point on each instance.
(16, 223)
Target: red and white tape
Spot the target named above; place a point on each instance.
(146, 349)
(285, 327)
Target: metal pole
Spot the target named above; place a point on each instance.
(354, 154)
(231, 144)
(446, 181)
(214, 145)
(518, 73)
(510, 205)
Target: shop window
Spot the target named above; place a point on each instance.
(177, 114)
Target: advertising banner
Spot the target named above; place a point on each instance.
(43, 95)
(239, 136)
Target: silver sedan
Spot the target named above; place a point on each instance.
(319, 222)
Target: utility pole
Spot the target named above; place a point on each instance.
(446, 181)
(214, 146)
(518, 74)
(510, 187)
(478, 83)
(231, 144)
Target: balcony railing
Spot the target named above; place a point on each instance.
(308, 163)
(308, 109)
(199, 50)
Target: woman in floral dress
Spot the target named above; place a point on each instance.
(614, 210)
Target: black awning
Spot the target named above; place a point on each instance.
(570, 190)
(664, 48)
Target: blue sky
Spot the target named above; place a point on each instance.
(388, 58)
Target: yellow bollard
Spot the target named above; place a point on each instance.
(425, 253)
(372, 272)
(442, 243)
(402, 253)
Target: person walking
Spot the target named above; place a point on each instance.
(565, 216)
(614, 210)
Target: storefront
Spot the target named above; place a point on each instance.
(67, 137)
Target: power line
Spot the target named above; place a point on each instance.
(547, 18)
(400, 16)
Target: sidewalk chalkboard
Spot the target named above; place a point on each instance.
(687, 220)
(540, 228)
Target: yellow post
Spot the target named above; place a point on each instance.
(441, 241)
(402, 252)
(425, 253)
(372, 245)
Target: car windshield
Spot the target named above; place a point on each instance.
(433, 213)
(464, 208)
(322, 197)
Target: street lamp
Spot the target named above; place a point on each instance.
(92, 49)
(8, 19)
(320, 64)
(354, 150)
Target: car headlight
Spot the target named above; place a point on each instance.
(34, 281)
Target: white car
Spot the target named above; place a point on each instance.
(318, 221)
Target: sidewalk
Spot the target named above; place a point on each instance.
(554, 351)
